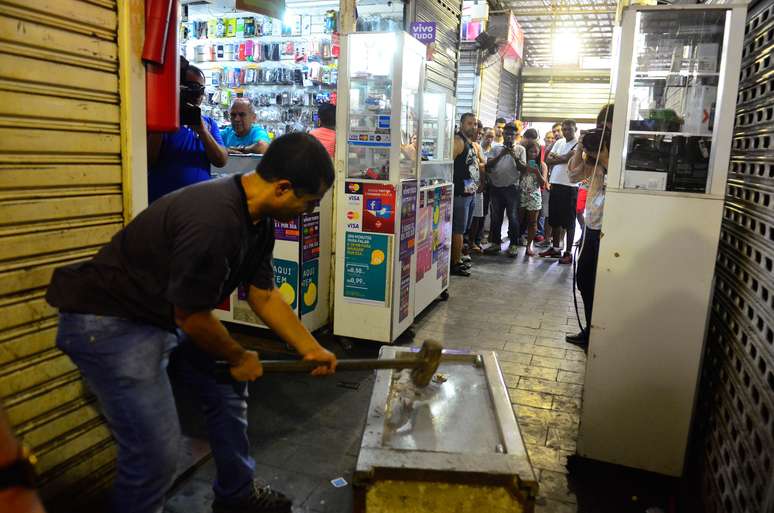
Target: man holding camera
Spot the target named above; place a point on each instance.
(504, 172)
(590, 163)
(183, 158)
(564, 194)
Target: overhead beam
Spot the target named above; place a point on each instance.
(532, 13)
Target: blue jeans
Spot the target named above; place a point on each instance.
(125, 364)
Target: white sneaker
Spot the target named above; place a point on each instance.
(492, 249)
(466, 258)
(513, 251)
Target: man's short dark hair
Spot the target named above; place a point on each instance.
(327, 114)
(510, 127)
(570, 122)
(480, 124)
(466, 116)
(530, 133)
(499, 120)
(299, 158)
(605, 115)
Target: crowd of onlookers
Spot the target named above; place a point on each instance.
(545, 188)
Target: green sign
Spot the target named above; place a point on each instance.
(366, 257)
(286, 280)
(309, 286)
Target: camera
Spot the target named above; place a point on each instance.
(593, 139)
(190, 114)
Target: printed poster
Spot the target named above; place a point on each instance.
(436, 206)
(408, 218)
(378, 208)
(286, 230)
(286, 280)
(446, 203)
(309, 286)
(405, 287)
(365, 266)
(353, 206)
(311, 236)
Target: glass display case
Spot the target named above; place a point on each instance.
(437, 126)
(384, 106)
(675, 78)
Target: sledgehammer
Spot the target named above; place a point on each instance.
(424, 364)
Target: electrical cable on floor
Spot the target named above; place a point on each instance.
(579, 249)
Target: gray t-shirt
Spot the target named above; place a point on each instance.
(505, 172)
(190, 248)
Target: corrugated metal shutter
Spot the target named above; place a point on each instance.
(735, 420)
(559, 99)
(441, 72)
(506, 100)
(466, 79)
(490, 91)
(60, 200)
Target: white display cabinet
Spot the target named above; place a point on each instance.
(302, 261)
(378, 189)
(675, 97)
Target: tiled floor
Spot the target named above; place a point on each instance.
(522, 309)
(306, 431)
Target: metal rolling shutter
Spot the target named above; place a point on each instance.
(466, 79)
(441, 72)
(490, 91)
(506, 100)
(557, 99)
(735, 421)
(60, 200)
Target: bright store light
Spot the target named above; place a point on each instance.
(566, 46)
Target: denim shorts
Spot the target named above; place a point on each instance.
(461, 213)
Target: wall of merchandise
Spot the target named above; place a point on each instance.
(285, 67)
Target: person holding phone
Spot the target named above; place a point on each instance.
(181, 158)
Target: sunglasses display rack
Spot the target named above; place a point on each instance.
(286, 67)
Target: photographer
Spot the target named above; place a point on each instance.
(589, 162)
(181, 158)
(504, 173)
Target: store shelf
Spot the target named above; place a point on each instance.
(670, 134)
(242, 64)
(663, 75)
(263, 38)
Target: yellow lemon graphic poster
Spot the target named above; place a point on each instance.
(286, 280)
(365, 269)
(309, 281)
(377, 257)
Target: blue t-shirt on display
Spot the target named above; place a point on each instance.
(256, 133)
(182, 161)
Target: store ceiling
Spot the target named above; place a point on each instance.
(547, 21)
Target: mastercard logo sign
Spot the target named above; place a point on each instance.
(353, 215)
(353, 187)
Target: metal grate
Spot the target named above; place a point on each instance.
(736, 416)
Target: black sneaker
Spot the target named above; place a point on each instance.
(458, 270)
(262, 499)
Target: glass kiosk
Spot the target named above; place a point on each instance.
(377, 196)
(675, 98)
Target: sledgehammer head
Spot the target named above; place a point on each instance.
(430, 356)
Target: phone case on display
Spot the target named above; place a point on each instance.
(212, 28)
(288, 48)
(275, 52)
(220, 28)
(230, 27)
(326, 51)
(228, 52)
(241, 55)
(219, 52)
(249, 27)
(240, 27)
(216, 77)
(248, 48)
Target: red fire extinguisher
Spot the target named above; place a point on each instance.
(162, 71)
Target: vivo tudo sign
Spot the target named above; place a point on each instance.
(423, 31)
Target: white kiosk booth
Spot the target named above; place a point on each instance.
(671, 139)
